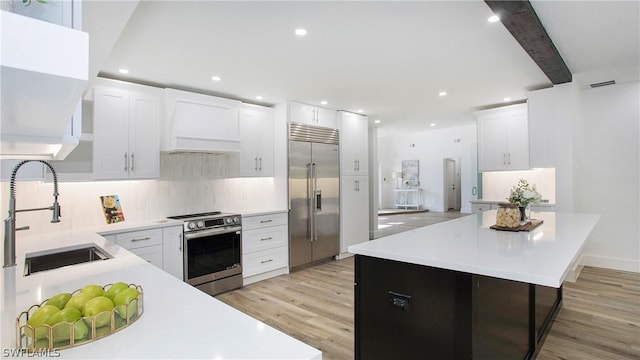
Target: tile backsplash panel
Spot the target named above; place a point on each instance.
(497, 185)
(188, 183)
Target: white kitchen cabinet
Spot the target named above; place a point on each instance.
(265, 250)
(256, 140)
(172, 251)
(126, 134)
(354, 144)
(354, 211)
(312, 115)
(503, 139)
(200, 123)
(480, 207)
(145, 243)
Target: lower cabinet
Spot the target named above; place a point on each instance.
(354, 211)
(160, 246)
(265, 246)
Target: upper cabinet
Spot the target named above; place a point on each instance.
(44, 68)
(354, 144)
(256, 140)
(312, 115)
(200, 123)
(503, 138)
(126, 142)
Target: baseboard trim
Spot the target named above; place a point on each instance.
(343, 255)
(611, 263)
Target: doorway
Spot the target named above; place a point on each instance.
(452, 194)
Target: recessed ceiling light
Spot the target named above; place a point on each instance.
(432, 124)
(123, 71)
(259, 97)
(216, 78)
(494, 18)
(507, 99)
(442, 93)
(360, 111)
(323, 102)
(301, 32)
(377, 121)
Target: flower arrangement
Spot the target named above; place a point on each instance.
(524, 194)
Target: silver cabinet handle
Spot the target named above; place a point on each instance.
(265, 239)
(180, 242)
(141, 239)
(126, 162)
(266, 261)
(504, 159)
(132, 161)
(266, 221)
(260, 167)
(255, 160)
(509, 158)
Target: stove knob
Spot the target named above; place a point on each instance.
(236, 219)
(228, 220)
(192, 225)
(200, 224)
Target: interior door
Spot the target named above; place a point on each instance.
(299, 203)
(450, 183)
(327, 201)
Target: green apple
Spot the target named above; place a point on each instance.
(103, 331)
(93, 290)
(115, 289)
(99, 307)
(40, 317)
(126, 302)
(59, 300)
(62, 322)
(78, 300)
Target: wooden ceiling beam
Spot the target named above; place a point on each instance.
(521, 20)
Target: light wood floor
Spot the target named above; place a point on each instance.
(599, 319)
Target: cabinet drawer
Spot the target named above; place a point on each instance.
(262, 261)
(139, 239)
(152, 254)
(259, 221)
(263, 239)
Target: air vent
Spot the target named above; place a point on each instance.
(310, 133)
(604, 83)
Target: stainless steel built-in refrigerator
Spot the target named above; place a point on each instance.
(314, 194)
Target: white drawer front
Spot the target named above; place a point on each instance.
(259, 221)
(152, 254)
(262, 261)
(263, 239)
(138, 239)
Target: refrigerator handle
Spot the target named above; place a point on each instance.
(314, 209)
(318, 200)
(310, 223)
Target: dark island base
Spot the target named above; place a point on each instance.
(408, 311)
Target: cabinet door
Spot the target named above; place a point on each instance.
(111, 134)
(326, 117)
(354, 211)
(256, 142)
(492, 135)
(302, 113)
(354, 140)
(172, 254)
(517, 141)
(144, 137)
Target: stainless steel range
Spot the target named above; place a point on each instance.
(212, 251)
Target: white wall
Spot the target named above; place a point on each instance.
(430, 148)
(606, 174)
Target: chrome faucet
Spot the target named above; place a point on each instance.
(10, 222)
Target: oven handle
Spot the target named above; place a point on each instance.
(203, 233)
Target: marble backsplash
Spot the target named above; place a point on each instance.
(188, 183)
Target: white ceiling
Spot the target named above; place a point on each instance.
(390, 59)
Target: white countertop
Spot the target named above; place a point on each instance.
(542, 256)
(179, 321)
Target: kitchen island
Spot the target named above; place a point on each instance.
(460, 290)
(179, 321)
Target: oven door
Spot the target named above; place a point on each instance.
(212, 254)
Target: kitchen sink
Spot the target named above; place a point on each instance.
(56, 258)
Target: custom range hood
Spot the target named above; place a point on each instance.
(44, 69)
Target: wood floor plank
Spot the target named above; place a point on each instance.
(599, 319)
